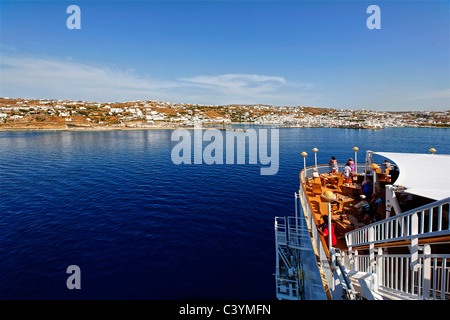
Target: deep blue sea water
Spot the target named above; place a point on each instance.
(141, 227)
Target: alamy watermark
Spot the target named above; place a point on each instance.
(74, 280)
(374, 21)
(219, 142)
(74, 20)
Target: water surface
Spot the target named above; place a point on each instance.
(141, 227)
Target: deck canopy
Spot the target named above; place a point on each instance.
(426, 175)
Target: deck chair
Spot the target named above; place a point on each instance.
(316, 188)
(308, 184)
(334, 206)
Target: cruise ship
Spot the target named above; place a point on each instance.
(390, 230)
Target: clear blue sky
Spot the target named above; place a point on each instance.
(310, 53)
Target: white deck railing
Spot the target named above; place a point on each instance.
(429, 280)
(414, 275)
(425, 221)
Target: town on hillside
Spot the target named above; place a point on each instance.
(31, 114)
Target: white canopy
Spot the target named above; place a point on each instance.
(426, 175)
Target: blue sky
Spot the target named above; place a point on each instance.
(308, 53)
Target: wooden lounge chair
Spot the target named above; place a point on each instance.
(308, 184)
(340, 181)
(316, 188)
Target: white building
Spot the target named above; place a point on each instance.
(116, 110)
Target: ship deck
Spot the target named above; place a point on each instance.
(344, 215)
(403, 239)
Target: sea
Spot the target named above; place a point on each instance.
(138, 226)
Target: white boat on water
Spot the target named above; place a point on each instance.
(394, 247)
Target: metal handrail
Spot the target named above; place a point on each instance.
(403, 226)
(430, 280)
(414, 274)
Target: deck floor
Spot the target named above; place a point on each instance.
(345, 199)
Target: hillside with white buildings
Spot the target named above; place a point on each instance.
(22, 113)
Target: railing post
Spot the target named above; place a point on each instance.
(379, 266)
(351, 256)
(440, 217)
(371, 239)
(443, 278)
(426, 271)
(414, 242)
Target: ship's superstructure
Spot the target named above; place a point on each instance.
(392, 242)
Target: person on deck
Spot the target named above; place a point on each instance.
(372, 214)
(324, 231)
(333, 165)
(351, 164)
(387, 166)
(315, 173)
(359, 206)
(394, 174)
(347, 171)
(367, 189)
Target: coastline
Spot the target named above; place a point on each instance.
(91, 129)
(169, 127)
(108, 128)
